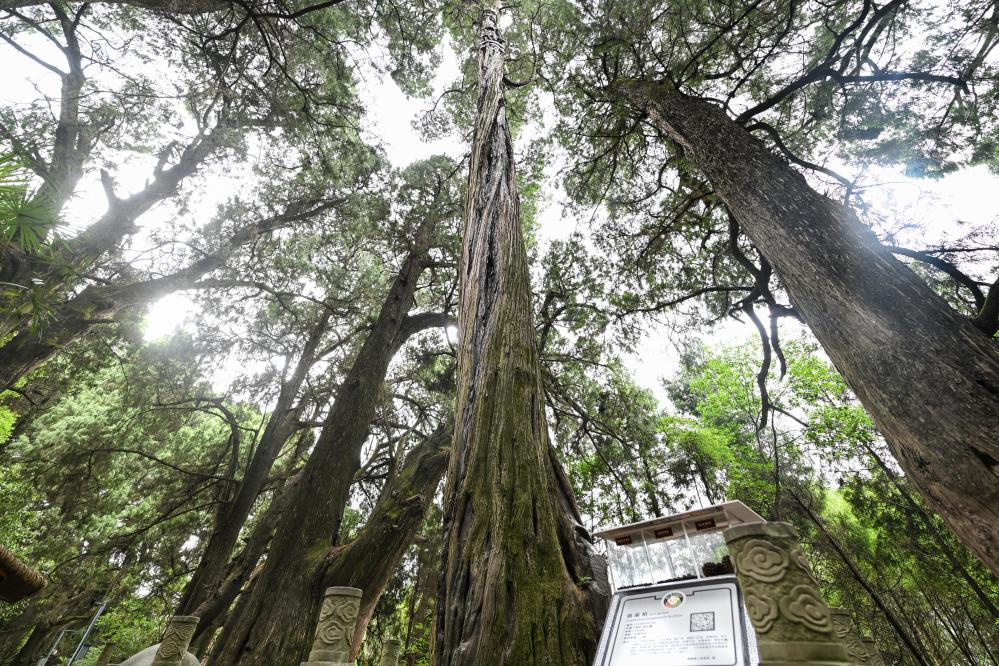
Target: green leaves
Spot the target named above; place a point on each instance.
(24, 219)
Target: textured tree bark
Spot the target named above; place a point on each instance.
(520, 585)
(274, 625)
(208, 578)
(928, 377)
(96, 304)
(240, 569)
(369, 561)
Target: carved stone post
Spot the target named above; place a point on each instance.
(335, 629)
(792, 622)
(390, 652)
(873, 656)
(849, 636)
(176, 639)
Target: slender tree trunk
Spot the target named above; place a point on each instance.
(893, 620)
(987, 642)
(936, 535)
(209, 577)
(369, 561)
(930, 649)
(419, 624)
(519, 586)
(928, 377)
(650, 482)
(275, 624)
(946, 621)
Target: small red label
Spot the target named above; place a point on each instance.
(664, 532)
(623, 541)
(705, 524)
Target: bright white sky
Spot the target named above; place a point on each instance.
(944, 208)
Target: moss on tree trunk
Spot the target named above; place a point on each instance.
(274, 624)
(520, 585)
(369, 561)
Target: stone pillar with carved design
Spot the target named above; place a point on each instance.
(873, 655)
(335, 629)
(793, 623)
(849, 636)
(390, 652)
(176, 639)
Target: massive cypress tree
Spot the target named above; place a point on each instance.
(684, 91)
(929, 377)
(520, 585)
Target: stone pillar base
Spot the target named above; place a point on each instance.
(802, 652)
(390, 652)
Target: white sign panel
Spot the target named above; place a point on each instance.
(697, 624)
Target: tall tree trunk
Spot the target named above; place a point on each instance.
(369, 561)
(928, 377)
(917, 650)
(209, 576)
(519, 585)
(275, 624)
(241, 568)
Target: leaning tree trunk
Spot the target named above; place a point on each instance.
(928, 377)
(274, 625)
(96, 304)
(209, 576)
(369, 561)
(518, 586)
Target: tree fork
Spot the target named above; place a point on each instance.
(928, 377)
(274, 625)
(391, 528)
(520, 585)
(209, 576)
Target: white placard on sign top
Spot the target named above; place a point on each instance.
(694, 623)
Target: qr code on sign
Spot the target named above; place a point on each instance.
(702, 621)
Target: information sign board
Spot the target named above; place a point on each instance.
(692, 623)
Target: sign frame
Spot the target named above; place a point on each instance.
(613, 623)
